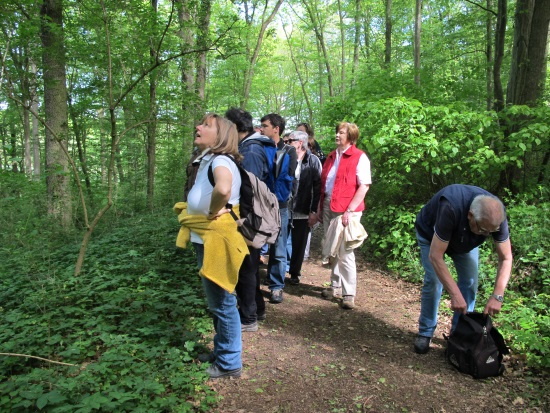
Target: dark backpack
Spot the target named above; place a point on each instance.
(279, 180)
(260, 220)
(476, 347)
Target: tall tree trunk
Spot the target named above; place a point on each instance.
(387, 51)
(417, 32)
(254, 58)
(80, 137)
(189, 109)
(202, 42)
(366, 30)
(312, 12)
(13, 149)
(500, 34)
(27, 139)
(152, 125)
(55, 107)
(356, 42)
(320, 77)
(343, 50)
(299, 74)
(528, 70)
(529, 61)
(489, 55)
(36, 164)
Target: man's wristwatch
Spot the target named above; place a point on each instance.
(499, 298)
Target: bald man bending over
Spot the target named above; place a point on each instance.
(455, 222)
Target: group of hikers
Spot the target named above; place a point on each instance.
(311, 190)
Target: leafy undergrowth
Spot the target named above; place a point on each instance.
(130, 324)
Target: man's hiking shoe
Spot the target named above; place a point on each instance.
(331, 293)
(348, 302)
(276, 297)
(261, 317)
(216, 372)
(422, 344)
(207, 357)
(249, 328)
(294, 280)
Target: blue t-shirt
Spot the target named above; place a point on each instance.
(446, 216)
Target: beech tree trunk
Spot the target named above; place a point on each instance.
(500, 34)
(318, 30)
(55, 108)
(387, 51)
(36, 164)
(528, 70)
(202, 42)
(489, 55)
(152, 125)
(417, 31)
(356, 42)
(342, 49)
(249, 75)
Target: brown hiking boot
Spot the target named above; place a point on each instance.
(348, 303)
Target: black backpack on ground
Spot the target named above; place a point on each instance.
(476, 347)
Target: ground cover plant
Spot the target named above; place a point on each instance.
(127, 329)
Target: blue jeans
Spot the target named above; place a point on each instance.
(227, 323)
(466, 265)
(276, 267)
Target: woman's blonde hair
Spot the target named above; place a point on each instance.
(227, 139)
(353, 131)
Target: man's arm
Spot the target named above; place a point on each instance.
(254, 159)
(505, 260)
(437, 259)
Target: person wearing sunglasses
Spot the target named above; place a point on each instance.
(305, 203)
(455, 222)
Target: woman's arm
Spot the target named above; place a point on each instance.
(358, 197)
(221, 193)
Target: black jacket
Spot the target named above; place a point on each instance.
(309, 186)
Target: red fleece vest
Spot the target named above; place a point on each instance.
(345, 184)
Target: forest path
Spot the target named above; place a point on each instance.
(312, 356)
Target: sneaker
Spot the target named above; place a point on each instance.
(249, 328)
(207, 357)
(294, 280)
(348, 303)
(216, 372)
(260, 317)
(330, 293)
(276, 297)
(422, 344)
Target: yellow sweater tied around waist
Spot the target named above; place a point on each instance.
(224, 246)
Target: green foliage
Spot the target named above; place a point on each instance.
(395, 241)
(132, 322)
(530, 229)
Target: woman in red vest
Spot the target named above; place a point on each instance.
(345, 180)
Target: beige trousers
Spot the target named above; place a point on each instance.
(343, 271)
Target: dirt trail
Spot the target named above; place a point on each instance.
(312, 356)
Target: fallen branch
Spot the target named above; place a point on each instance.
(38, 358)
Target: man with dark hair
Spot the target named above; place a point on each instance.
(455, 222)
(273, 126)
(251, 143)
